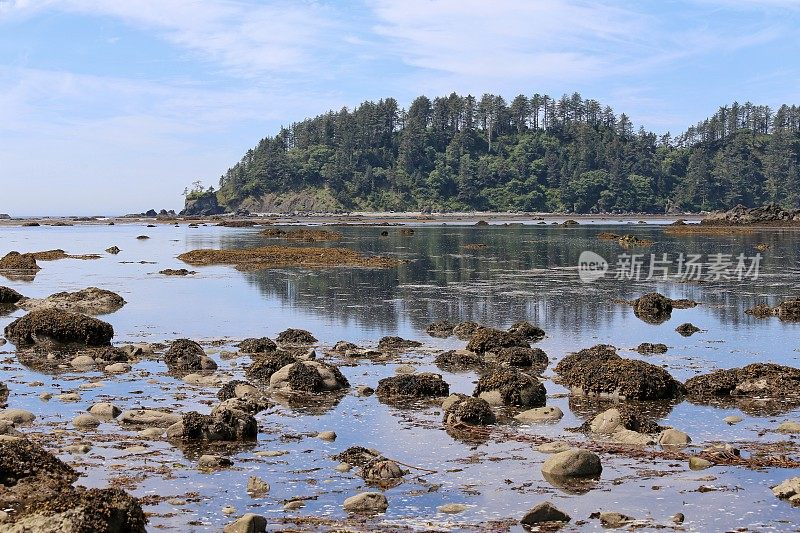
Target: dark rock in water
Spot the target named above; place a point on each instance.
(9, 296)
(684, 303)
(407, 232)
(265, 365)
(412, 386)
(527, 331)
(38, 495)
(186, 355)
(504, 386)
(383, 471)
(687, 330)
(3, 394)
(533, 358)
(465, 330)
(759, 380)
(459, 360)
(384, 233)
(441, 329)
(204, 204)
(653, 308)
(19, 262)
(150, 213)
(228, 390)
(114, 250)
(599, 370)
(260, 345)
(545, 514)
(295, 336)
(356, 456)
(397, 343)
(142, 237)
(177, 272)
(344, 347)
(647, 348)
(490, 339)
(481, 223)
(470, 411)
(53, 325)
(227, 425)
(570, 222)
(788, 310)
(308, 377)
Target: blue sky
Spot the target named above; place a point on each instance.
(114, 106)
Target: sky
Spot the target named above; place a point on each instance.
(115, 106)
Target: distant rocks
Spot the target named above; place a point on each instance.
(177, 272)
(788, 311)
(89, 301)
(647, 348)
(204, 204)
(770, 215)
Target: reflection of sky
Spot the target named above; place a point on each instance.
(520, 275)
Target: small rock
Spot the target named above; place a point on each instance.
(404, 369)
(678, 518)
(17, 416)
(452, 508)
(573, 463)
(327, 435)
(85, 421)
(78, 448)
(553, 447)
(732, 419)
(544, 513)
(366, 502)
(118, 368)
(149, 417)
(788, 490)
(257, 487)
(673, 437)
(212, 462)
(45, 396)
(363, 390)
(151, 433)
(105, 410)
(614, 520)
(69, 397)
(698, 463)
(343, 467)
(228, 510)
(82, 361)
(249, 523)
(541, 414)
(294, 505)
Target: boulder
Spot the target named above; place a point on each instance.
(357, 456)
(653, 308)
(260, 345)
(469, 411)
(412, 386)
(573, 463)
(248, 523)
(687, 329)
(518, 356)
(758, 380)
(186, 355)
(264, 366)
(504, 386)
(788, 490)
(600, 371)
(543, 514)
(17, 262)
(257, 487)
(647, 348)
(9, 296)
(227, 425)
(382, 471)
(17, 416)
(789, 427)
(86, 421)
(149, 417)
(540, 414)
(308, 377)
(295, 336)
(465, 330)
(459, 360)
(397, 343)
(213, 462)
(89, 301)
(367, 503)
(490, 340)
(674, 437)
(527, 331)
(105, 410)
(60, 327)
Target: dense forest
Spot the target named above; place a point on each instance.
(535, 154)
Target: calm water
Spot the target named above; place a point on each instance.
(525, 272)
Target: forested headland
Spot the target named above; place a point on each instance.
(570, 154)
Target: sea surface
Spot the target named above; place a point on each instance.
(525, 271)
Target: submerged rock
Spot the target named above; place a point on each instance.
(9, 296)
(504, 386)
(441, 329)
(259, 345)
(412, 386)
(758, 380)
(490, 340)
(470, 411)
(599, 370)
(356, 456)
(459, 360)
(89, 301)
(61, 327)
(397, 343)
(295, 336)
(687, 330)
(647, 348)
(527, 331)
(227, 425)
(653, 308)
(185, 355)
(308, 377)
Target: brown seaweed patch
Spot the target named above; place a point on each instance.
(303, 234)
(284, 256)
(697, 229)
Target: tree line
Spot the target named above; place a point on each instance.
(536, 153)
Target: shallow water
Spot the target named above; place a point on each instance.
(525, 272)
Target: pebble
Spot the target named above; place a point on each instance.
(228, 510)
(732, 419)
(45, 396)
(573, 463)
(678, 518)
